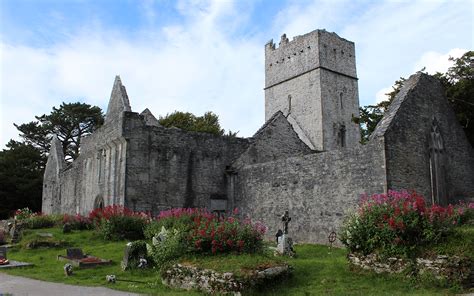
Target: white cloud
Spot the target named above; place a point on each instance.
(191, 67)
(437, 62)
(390, 36)
(381, 95)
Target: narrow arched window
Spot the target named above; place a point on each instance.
(342, 135)
(340, 100)
(289, 104)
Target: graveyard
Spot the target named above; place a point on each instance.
(133, 252)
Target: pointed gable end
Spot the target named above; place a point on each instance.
(149, 118)
(118, 102)
(56, 160)
(276, 139)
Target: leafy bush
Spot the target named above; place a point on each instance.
(179, 231)
(77, 222)
(36, 221)
(22, 214)
(164, 252)
(117, 222)
(397, 223)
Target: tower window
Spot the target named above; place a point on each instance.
(340, 100)
(289, 104)
(342, 135)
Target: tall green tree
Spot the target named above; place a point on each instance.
(459, 85)
(70, 122)
(22, 163)
(208, 123)
(21, 178)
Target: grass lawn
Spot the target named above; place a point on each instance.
(316, 271)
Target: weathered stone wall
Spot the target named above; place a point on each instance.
(318, 189)
(97, 174)
(340, 101)
(313, 80)
(406, 128)
(51, 195)
(305, 106)
(453, 269)
(169, 167)
(276, 139)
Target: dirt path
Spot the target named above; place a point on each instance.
(20, 286)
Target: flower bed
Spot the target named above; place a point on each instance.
(181, 231)
(117, 222)
(398, 223)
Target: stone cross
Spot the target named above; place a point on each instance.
(285, 219)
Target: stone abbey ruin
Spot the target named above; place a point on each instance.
(306, 158)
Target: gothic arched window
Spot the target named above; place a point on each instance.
(437, 169)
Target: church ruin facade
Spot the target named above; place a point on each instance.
(306, 158)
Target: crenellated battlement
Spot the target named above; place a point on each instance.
(308, 52)
(312, 79)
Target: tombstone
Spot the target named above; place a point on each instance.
(278, 235)
(3, 256)
(285, 243)
(3, 252)
(2, 237)
(134, 255)
(15, 232)
(74, 253)
(126, 256)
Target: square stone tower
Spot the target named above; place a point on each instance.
(313, 81)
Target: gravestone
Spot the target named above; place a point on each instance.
(2, 237)
(15, 232)
(285, 243)
(74, 253)
(134, 255)
(3, 256)
(3, 252)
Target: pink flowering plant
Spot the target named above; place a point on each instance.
(397, 223)
(198, 231)
(117, 222)
(22, 214)
(77, 222)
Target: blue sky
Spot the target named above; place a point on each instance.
(197, 55)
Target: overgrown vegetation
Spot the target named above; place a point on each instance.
(317, 270)
(178, 232)
(400, 224)
(117, 223)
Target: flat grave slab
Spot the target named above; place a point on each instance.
(15, 264)
(77, 258)
(6, 263)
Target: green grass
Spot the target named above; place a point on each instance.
(316, 270)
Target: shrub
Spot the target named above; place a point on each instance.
(117, 222)
(201, 232)
(39, 220)
(22, 214)
(396, 223)
(77, 222)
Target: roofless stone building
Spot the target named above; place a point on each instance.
(306, 158)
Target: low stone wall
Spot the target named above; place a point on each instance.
(209, 281)
(449, 268)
